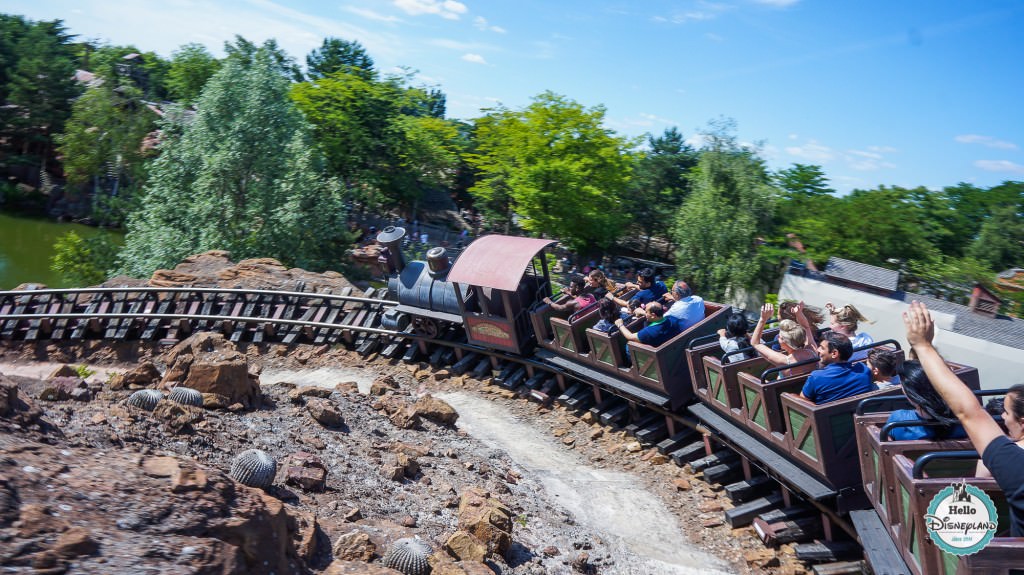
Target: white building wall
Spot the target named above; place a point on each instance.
(998, 365)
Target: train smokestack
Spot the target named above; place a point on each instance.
(437, 260)
(391, 238)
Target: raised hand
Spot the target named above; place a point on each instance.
(920, 327)
(767, 311)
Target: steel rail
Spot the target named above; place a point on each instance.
(234, 291)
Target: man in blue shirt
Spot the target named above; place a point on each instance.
(658, 329)
(837, 378)
(686, 309)
(650, 290)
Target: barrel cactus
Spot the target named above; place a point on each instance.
(145, 399)
(409, 555)
(186, 396)
(254, 468)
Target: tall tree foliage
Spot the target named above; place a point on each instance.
(337, 55)
(557, 167)
(102, 145)
(40, 89)
(243, 176)
(660, 183)
(720, 224)
(191, 67)
(379, 136)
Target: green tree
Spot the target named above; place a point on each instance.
(660, 183)
(869, 226)
(337, 55)
(244, 51)
(191, 67)
(102, 146)
(802, 181)
(242, 176)
(83, 261)
(1000, 243)
(12, 30)
(40, 90)
(563, 173)
(720, 224)
(378, 137)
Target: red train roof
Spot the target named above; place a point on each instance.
(496, 261)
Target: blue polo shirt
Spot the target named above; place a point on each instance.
(838, 380)
(653, 293)
(657, 333)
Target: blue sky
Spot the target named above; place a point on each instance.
(877, 92)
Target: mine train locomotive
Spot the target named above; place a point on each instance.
(837, 459)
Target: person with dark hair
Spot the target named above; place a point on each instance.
(650, 288)
(837, 378)
(928, 406)
(885, 365)
(793, 340)
(580, 299)
(1001, 455)
(657, 331)
(1011, 407)
(686, 308)
(609, 312)
(734, 338)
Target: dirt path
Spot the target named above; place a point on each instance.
(608, 502)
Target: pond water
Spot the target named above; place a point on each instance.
(26, 246)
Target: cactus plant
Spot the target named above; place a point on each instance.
(409, 555)
(254, 468)
(186, 396)
(145, 399)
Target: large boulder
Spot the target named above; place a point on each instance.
(143, 375)
(436, 410)
(209, 363)
(486, 519)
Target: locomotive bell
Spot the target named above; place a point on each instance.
(391, 238)
(437, 259)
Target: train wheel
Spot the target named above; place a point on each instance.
(427, 327)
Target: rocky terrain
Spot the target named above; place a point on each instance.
(91, 483)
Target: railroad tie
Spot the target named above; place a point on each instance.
(688, 453)
(667, 446)
(743, 515)
(641, 421)
(748, 489)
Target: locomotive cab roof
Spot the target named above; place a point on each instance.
(496, 261)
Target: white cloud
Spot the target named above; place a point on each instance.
(999, 166)
(714, 37)
(812, 150)
(449, 9)
(777, 3)
(456, 45)
(474, 58)
(987, 141)
(868, 161)
(481, 24)
(702, 10)
(684, 17)
(370, 14)
(296, 31)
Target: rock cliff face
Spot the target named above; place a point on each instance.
(123, 511)
(215, 269)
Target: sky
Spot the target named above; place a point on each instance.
(899, 93)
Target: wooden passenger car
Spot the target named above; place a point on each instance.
(878, 475)
(662, 370)
(913, 495)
